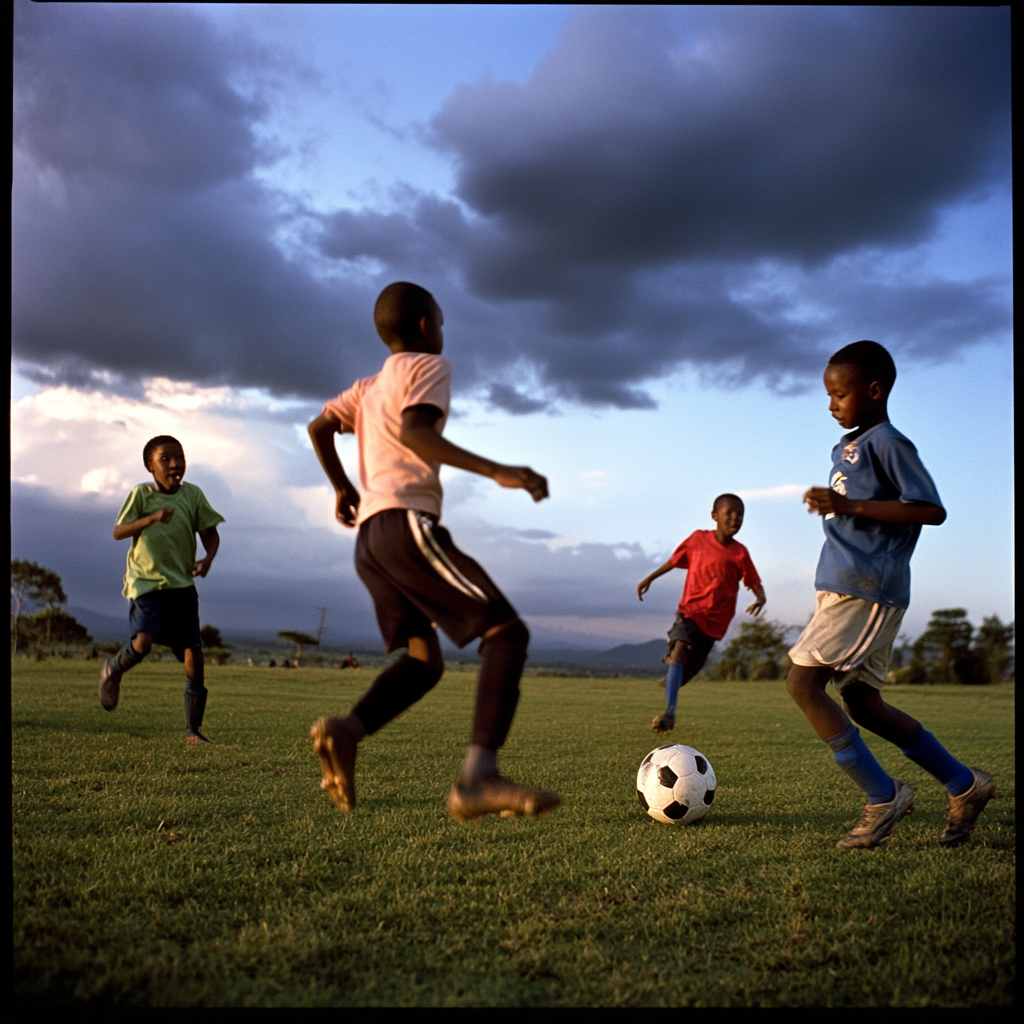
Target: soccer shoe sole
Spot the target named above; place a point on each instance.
(110, 688)
(337, 753)
(956, 833)
(501, 797)
(662, 724)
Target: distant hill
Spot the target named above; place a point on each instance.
(103, 628)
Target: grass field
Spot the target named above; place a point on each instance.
(151, 873)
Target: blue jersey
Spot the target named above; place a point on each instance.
(863, 557)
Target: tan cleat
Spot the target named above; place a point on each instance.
(496, 795)
(110, 686)
(877, 820)
(962, 811)
(337, 752)
(663, 723)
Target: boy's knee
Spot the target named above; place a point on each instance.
(194, 667)
(142, 643)
(427, 650)
(513, 634)
(678, 653)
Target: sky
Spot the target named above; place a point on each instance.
(648, 228)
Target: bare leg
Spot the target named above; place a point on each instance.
(867, 708)
(806, 685)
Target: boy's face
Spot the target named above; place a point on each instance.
(167, 464)
(728, 515)
(852, 401)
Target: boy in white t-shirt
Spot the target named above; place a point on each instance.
(416, 576)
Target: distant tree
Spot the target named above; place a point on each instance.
(943, 651)
(993, 644)
(210, 635)
(47, 627)
(33, 583)
(300, 640)
(759, 652)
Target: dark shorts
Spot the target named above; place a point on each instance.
(418, 579)
(699, 642)
(171, 616)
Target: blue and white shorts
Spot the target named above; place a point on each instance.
(851, 636)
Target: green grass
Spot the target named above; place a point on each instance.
(151, 873)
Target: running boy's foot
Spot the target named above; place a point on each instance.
(664, 723)
(337, 751)
(962, 811)
(877, 820)
(496, 795)
(110, 686)
(195, 738)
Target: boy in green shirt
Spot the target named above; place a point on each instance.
(162, 520)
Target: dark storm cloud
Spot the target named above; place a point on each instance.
(142, 243)
(672, 185)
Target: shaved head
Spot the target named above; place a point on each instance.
(722, 498)
(399, 310)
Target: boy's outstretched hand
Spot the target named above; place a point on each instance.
(524, 477)
(759, 601)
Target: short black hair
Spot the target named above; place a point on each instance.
(154, 442)
(400, 308)
(726, 497)
(871, 359)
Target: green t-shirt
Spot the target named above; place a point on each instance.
(164, 554)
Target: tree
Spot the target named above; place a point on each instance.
(759, 652)
(993, 644)
(210, 635)
(942, 651)
(300, 640)
(31, 582)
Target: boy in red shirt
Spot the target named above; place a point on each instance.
(715, 564)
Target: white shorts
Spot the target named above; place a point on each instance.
(850, 635)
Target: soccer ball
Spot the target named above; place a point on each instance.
(675, 784)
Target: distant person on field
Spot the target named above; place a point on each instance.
(879, 496)
(414, 573)
(162, 519)
(715, 563)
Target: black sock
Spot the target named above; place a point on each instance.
(497, 693)
(398, 687)
(126, 658)
(195, 703)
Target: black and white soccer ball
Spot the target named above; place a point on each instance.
(675, 784)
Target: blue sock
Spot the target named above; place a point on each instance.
(936, 760)
(673, 680)
(852, 755)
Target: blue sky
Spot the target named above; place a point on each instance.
(648, 228)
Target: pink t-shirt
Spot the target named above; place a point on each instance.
(713, 579)
(390, 474)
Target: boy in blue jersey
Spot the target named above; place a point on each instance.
(879, 496)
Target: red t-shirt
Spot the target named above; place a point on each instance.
(713, 579)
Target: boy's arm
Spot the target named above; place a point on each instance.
(645, 584)
(759, 603)
(125, 530)
(824, 500)
(346, 497)
(418, 433)
(211, 541)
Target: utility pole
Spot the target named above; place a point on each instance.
(320, 631)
